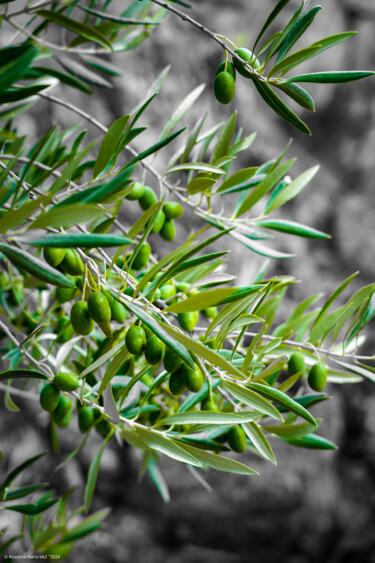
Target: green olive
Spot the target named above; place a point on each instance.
(53, 256)
(135, 340)
(142, 256)
(99, 308)
(158, 223)
(187, 321)
(66, 381)
(250, 58)
(209, 405)
(104, 427)
(210, 312)
(193, 378)
(72, 263)
(118, 312)
(49, 397)
(64, 330)
(16, 293)
(224, 87)
(167, 291)
(176, 383)
(86, 418)
(171, 361)
(81, 321)
(230, 68)
(236, 438)
(296, 363)
(65, 294)
(317, 377)
(136, 192)
(168, 230)
(172, 210)
(62, 415)
(148, 199)
(154, 350)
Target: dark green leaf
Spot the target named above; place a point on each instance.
(297, 30)
(34, 508)
(20, 373)
(291, 227)
(336, 77)
(159, 145)
(68, 216)
(109, 143)
(297, 94)
(312, 442)
(93, 474)
(273, 15)
(83, 240)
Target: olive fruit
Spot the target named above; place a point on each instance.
(104, 427)
(172, 210)
(86, 418)
(247, 56)
(135, 340)
(317, 377)
(187, 321)
(210, 312)
(230, 68)
(72, 263)
(62, 415)
(182, 287)
(136, 192)
(108, 296)
(296, 363)
(193, 378)
(168, 230)
(236, 438)
(118, 312)
(176, 383)
(148, 199)
(65, 294)
(49, 397)
(158, 223)
(3, 279)
(224, 87)
(66, 381)
(53, 256)
(80, 318)
(142, 256)
(172, 361)
(209, 405)
(64, 330)
(154, 350)
(99, 308)
(167, 291)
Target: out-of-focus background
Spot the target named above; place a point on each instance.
(314, 506)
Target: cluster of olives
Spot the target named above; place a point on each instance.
(164, 223)
(60, 406)
(317, 374)
(224, 86)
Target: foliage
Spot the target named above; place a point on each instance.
(159, 353)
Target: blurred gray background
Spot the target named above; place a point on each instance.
(314, 506)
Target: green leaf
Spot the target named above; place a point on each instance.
(218, 462)
(89, 525)
(167, 446)
(312, 442)
(294, 188)
(117, 19)
(20, 373)
(292, 430)
(194, 262)
(273, 15)
(109, 143)
(358, 370)
(211, 298)
(17, 60)
(207, 417)
(336, 77)
(62, 77)
(82, 30)
(278, 106)
(240, 178)
(307, 400)
(24, 491)
(155, 148)
(16, 471)
(158, 479)
(68, 216)
(294, 60)
(291, 228)
(34, 508)
(297, 93)
(201, 166)
(223, 144)
(258, 247)
(34, 266)
(16, 94)
(265, 186)
(4, 546)
(252, 399)
(297, 31)
(260, 442)
(283, 400)
(181, 110)
(83, 240)
(93, 474)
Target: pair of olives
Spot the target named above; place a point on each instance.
(59, 406)
(100, 308)
(164, 221)
(317, 375)
(138, 342)
(224, 86)
(67, 259)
